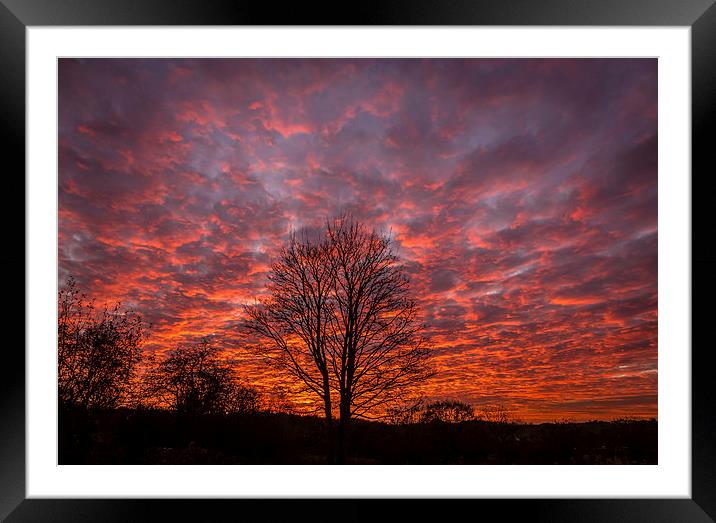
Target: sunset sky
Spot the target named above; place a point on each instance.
(521, 194)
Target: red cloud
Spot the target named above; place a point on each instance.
(521, 195)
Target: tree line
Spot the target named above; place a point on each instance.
(337, 317)
(448, 411)
(101, 365)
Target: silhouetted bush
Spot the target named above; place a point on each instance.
(447, 412)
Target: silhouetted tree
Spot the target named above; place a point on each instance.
(243, 399)
(292, 323)
(278, 400)
(377, 350)
(193, 379)
(98, 351)
(339, 317)
(447, 412)
(405, 414)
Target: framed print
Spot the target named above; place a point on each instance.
(442, 255)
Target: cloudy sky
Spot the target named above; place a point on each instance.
(521, 194)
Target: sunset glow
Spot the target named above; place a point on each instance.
(521, 195)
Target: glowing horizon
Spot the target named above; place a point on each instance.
(521, 195)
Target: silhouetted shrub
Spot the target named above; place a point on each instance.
(447, 412)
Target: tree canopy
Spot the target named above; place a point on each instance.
(339, 318)
(99, 350)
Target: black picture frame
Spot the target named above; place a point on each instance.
(17, 15)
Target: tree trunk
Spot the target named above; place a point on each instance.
(343, 423)
(331, 451)
(341, 452)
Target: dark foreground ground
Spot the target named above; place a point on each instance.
(160, 437)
